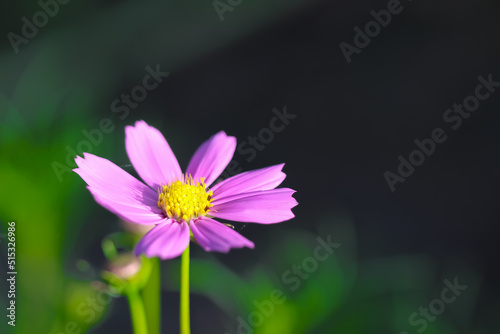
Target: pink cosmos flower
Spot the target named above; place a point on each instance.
(180, 204)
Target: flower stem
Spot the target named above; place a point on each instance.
(137, 312)
(184, 307)
(151, 296)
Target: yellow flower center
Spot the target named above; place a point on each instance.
(185, 199)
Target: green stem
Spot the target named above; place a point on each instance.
(151, 296)
(137, 312)
(185, 323)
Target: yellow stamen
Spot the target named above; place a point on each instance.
(184, 199)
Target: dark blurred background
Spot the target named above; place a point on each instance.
(234, 66)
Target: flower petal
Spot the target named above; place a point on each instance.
(151, 155)
(214, 236)
(166, 240)
(118, 191)
(259, 179)
(264, 207)
(212, 157)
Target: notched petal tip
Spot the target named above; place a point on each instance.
(150, 154)
(79, 161)
(266, 178)
(137, 124)
(211, 157)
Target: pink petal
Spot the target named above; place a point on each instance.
(212, 157)
(260, 179)
(118, 191)
(166, 241)
(151, 155)
(264, 207)
(214, 236)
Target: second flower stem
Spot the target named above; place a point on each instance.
(184, 305)
(137, 312)
(151, 295)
